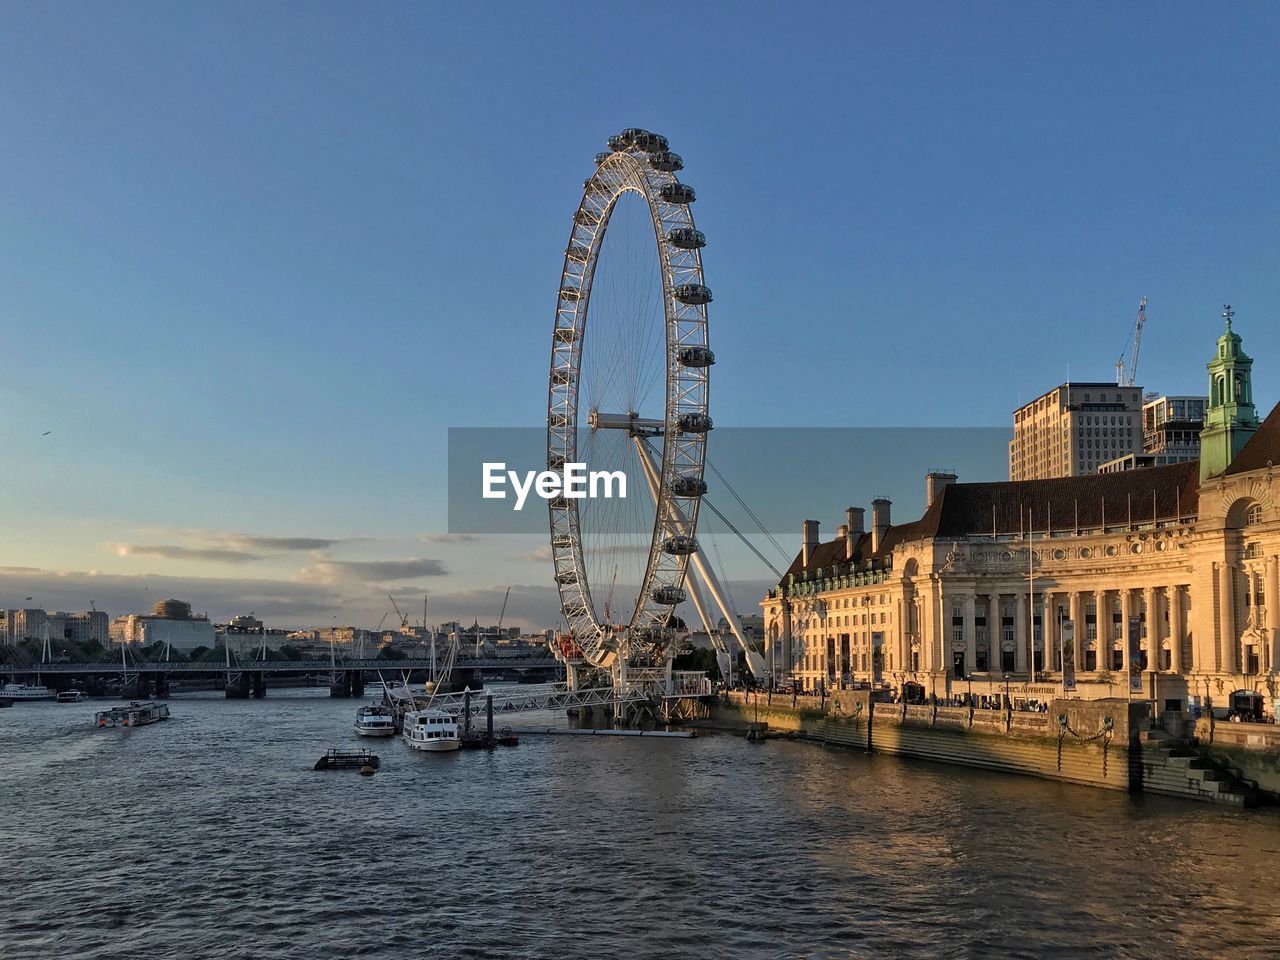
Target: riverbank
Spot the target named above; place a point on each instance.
(1109, 744)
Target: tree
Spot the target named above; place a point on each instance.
(390, 653)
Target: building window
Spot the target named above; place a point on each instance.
(1254, 515)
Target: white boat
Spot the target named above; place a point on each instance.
(26, 691)
(431, 730)
(375, 721)
(70, 696)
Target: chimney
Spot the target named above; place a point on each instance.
(843, 534)
(879, 522)
(935, 481)
(853, 517)
(809, 535)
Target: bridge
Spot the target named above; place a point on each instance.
(246, 676)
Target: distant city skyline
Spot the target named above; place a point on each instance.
(257, 261)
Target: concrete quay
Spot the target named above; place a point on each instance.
(1110, 744)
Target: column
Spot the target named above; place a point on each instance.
(1176, 629)
(1226, 620)
(995, 633)
(970, 631)
(1153, 628)
(1272, 607)
(1126, 611)
(1049, 630)
(1077, 617)
(1020, 623)
(1102, 625)
(788, 659)
(941, 645)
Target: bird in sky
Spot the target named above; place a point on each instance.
(46, 433)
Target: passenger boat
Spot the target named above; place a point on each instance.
(70, 696)
(431, 730)
(26, 691)
(134, 715)
(375, 721)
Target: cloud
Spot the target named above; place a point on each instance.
(174, 552)
(541, 555)
(448, 537)
(236, 548)
(371, 571)
(283, 543)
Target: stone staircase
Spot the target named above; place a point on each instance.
(1174, 768)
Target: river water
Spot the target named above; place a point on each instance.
(209, 835)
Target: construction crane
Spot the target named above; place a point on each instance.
(404, 620)
(503, 612)
(1127, 375)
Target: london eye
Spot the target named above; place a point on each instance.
(629, 387)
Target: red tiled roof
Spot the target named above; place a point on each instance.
(1263, 447)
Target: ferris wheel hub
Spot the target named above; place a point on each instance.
(632, 422)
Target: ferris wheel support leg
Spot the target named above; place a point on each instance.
(755, 662)
(695, 592)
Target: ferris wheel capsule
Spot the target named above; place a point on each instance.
(669, 596)
(686, 238)
(694, 294)
(678, 193)
(666, 161)
(697, 356)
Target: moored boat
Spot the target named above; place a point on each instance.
(432, 731)
(375, 721)
(70, 696)
(26, 691)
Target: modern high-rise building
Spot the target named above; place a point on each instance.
(1171, 426)
(1073, 429)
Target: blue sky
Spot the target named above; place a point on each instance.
(256, 260)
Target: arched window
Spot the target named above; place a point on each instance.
(1254, 514)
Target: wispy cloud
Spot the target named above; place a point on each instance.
(220, 547)
(282, 543)
(371, 571)
(448, 537)
(169, 551)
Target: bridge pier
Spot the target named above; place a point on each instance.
(237, 686)
(161, 681)
(258, 684)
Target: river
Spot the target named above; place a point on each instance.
(209, 835)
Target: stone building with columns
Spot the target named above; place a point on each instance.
(1159, 583)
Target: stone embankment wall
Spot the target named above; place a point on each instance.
(1097, 745)
(1252, 750)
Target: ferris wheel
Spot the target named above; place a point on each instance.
(632, 391)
